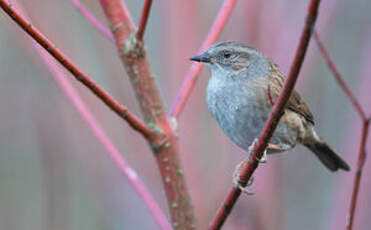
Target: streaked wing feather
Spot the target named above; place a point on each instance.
(295, 102)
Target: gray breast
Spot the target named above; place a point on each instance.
(236, 109)
(242, 113)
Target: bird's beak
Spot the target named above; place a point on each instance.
(201, 58)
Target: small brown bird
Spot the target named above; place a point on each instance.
(243, 87)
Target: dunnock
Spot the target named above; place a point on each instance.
(243, 87)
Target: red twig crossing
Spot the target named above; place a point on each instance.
(365, 129)
(338, 77)
(119, 109)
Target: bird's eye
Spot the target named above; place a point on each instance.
(227, 54)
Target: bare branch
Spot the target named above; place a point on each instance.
(338, 76)
(119, 109)
(357, 177)
(365, 128)
(98, 132)
(143, 19)
(90, 17)
(165, 144)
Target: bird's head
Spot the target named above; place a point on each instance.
(232, 58)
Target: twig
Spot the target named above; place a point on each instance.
(357, 177)
(98, 132)
(365, 128)
(89, 16)
(110, 148)
(338, 76)
(119, 109)
(143, 19)
(191, 76)
(165, 144)
(273, 120)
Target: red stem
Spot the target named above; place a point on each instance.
(365, 128)
(119, 109)
(89, 118)
(338, 76)
(143, 19)
(191, 76)
(165, 145)
(94, 21)
(273, 120)
(357, 177)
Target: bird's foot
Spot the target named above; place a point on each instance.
(236, 178)
(264, 158)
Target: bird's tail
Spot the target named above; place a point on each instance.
(327, 156)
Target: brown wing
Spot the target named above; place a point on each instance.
(295, 102)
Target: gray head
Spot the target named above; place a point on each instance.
(232, 58)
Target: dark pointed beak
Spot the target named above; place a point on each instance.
(201, 58)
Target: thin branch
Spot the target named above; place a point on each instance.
(119, 109)
(143, 19)
(357, 177)
(191, 76)
(90, 17)
(365, 128)
(273, 120)
(338, 76)
(98, 132)
(165, 145)
(110, 148)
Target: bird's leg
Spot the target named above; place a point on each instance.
(264, 158)
(240, 166)
(236, 178)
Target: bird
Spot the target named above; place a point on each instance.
(241, 93)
